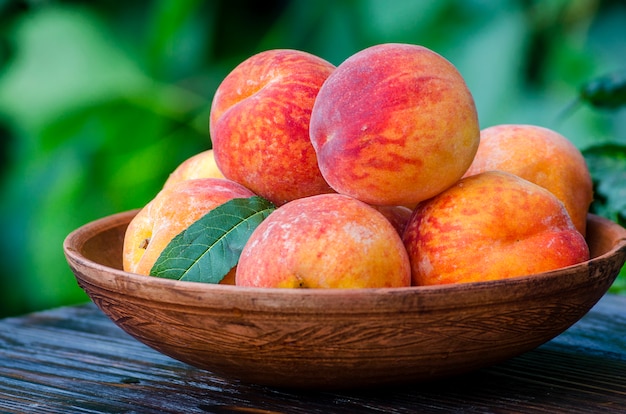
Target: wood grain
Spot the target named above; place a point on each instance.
(76, 360)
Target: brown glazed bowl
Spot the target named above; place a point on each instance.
(335, 338)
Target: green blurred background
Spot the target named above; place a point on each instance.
(101, 100)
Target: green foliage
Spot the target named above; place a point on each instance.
(607, 163)
(100, 100)
(209, 248)
(607, 91)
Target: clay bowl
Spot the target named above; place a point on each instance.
(340, 338)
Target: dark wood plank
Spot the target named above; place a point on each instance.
(75, 360)
(602, 331)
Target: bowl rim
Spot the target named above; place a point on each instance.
(78, 237)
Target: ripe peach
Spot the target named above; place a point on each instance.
(394, 124)
(543, 157)
(201, 165)
(259, 124)
(170, 212)
(493, 225)
(324, 241)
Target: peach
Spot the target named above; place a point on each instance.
(398, 216)
(201, 165)
(489, 226)
(324, 241)
(170, 212)
(394, 124)
(259, 124)
(543, 157)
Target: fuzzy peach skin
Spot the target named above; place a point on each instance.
(201, 165)
(542, 156)
(171, 211)
(324, 241)
(394, 124)
(259, 124)
(489, 226)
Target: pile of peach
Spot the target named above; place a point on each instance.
(380, 174)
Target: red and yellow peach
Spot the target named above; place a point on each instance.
(394, 124)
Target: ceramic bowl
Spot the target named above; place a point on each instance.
(335, 338)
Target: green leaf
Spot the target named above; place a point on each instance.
(209, 248)
(607, 165)
(607, 92)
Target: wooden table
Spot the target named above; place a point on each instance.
(75, 360)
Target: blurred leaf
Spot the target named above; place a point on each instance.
(401, 20)
(606, 92)
(66, 59)
(495, 83)
(127, 150)
(95, 161)
(179, 37)
(607, 165)
(328, 28)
